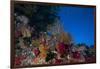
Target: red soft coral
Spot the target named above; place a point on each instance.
(61, 48)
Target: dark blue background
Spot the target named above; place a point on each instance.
(79, 22)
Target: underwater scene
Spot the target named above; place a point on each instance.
(53, 34)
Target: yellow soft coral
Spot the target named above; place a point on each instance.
(25, 32)
(43, 50)
(66, 38)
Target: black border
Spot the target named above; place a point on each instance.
(47, 3)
